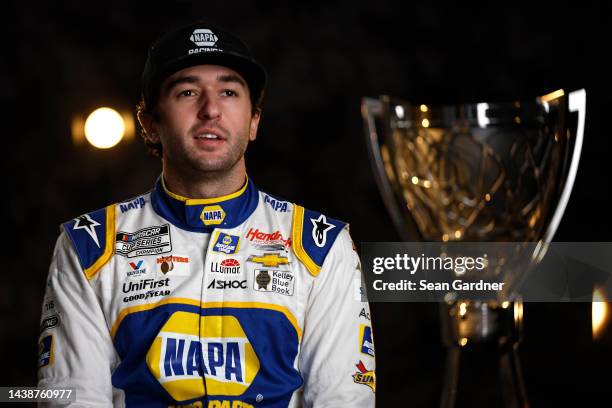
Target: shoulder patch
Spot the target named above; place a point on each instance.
(133, 204)
(276, 203)
(92, 236)
(313, 235)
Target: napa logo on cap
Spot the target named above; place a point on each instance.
(212, 215)
(179, 356)
(204, 37)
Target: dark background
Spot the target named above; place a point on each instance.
(66, 58)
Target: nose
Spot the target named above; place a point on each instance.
(209, 108)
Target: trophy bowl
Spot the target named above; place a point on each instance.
(482, 172)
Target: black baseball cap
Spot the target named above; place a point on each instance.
(197, 44)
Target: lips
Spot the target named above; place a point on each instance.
(209, 134)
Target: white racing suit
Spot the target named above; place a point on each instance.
(235, 302)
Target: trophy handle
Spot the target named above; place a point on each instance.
(371, 109)
(577, 103)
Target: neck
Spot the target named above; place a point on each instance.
(205, 184)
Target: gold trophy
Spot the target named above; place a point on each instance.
(483, 172)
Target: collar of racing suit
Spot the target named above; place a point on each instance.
(204, 215)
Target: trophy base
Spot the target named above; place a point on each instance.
(482, 341)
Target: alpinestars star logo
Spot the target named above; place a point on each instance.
(89, 225)
(319, 231)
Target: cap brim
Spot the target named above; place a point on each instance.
(250, 70)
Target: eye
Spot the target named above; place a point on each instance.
(229, 92)
(187, 92)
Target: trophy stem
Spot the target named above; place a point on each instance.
(513, 386)
(471, 327)
(451, 377)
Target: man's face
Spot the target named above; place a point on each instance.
(205, 120)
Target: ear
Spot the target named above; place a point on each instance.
(254, 125)
(148, 124)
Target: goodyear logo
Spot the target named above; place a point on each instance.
(365, 376)
(366, 345)
(212, 215)
(180, 359)
(226, 243)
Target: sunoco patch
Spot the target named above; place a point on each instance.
(147, 241)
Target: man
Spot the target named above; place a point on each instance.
(206, 292)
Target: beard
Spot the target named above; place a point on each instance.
(194, 162)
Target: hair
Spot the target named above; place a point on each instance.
(144, 107)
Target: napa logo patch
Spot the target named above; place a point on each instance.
(179, 356)
(226, 243)
(212, 215)
(366, 344)
(132, 205)
(365, 376)
(277, 205)
(45, 351)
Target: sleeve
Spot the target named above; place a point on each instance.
(337, 351)
(75, 347)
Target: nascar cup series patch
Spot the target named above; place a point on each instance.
(221, 351)
(147, 241)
